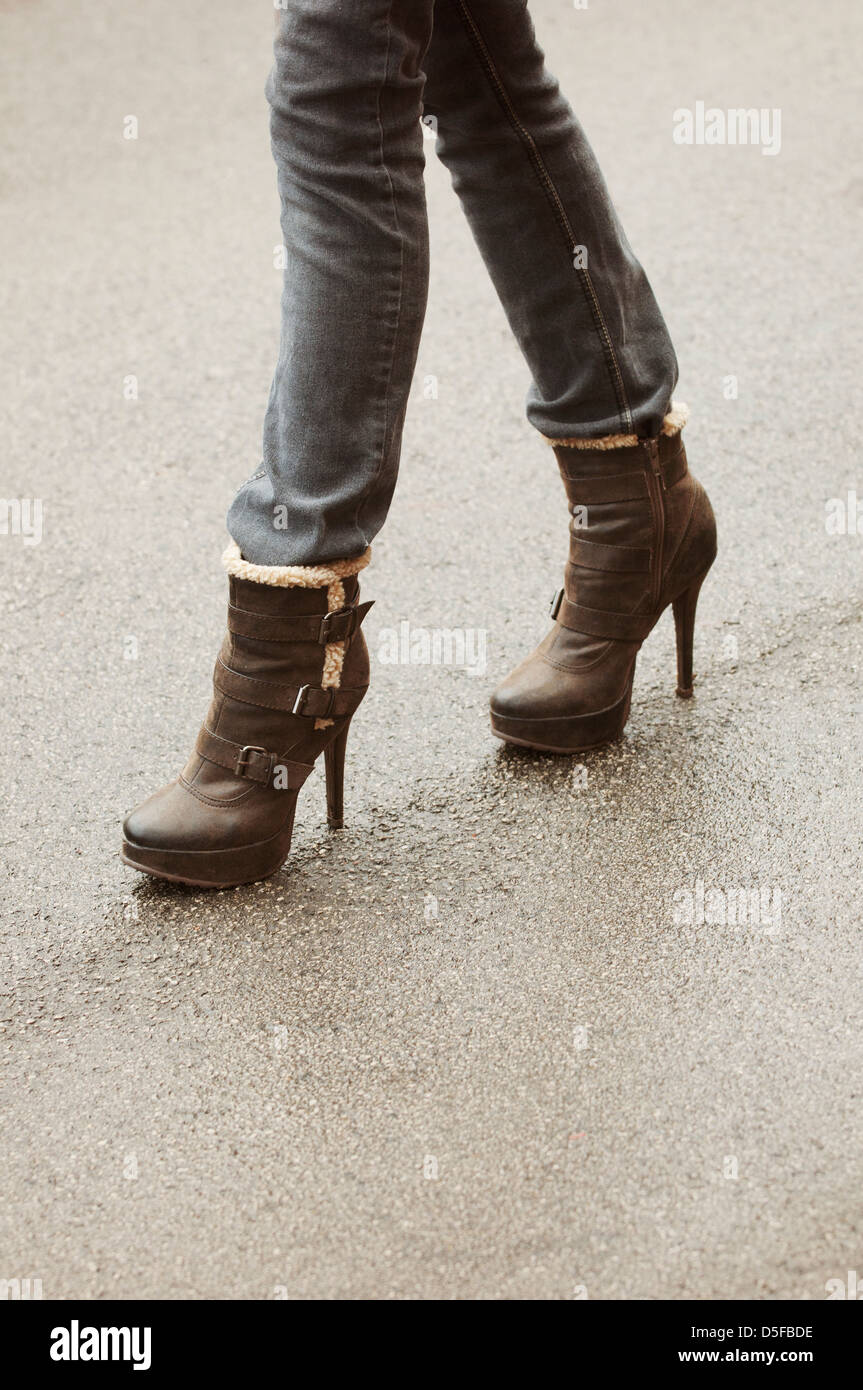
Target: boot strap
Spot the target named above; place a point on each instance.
(617, 487)
(617, 559)
(308, 627)
(311, 701)
(596, 622)
(249, 760)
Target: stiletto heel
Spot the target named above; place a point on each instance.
(334, 764)
(684, 623)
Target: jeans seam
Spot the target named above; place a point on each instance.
(395, 333)
(548, 186)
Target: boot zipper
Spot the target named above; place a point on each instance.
(656, 487)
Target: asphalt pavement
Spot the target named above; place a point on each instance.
(499, 1038)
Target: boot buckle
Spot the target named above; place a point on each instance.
(300, 700)
(338, 626)
(556, 602)
(241, 766)
(324, 711)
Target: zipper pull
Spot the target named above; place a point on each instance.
(653, 451)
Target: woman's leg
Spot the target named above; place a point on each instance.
(577, 299)
(642, 535)
(345, 95)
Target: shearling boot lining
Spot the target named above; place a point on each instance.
(327, 577)
(672, 424)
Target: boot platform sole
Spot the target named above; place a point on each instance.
(128, 851)
(219, 868)
(580, 732)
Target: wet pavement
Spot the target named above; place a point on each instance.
(501, 1037)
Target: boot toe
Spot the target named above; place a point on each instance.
(175, 835)
(533, 691)
(160, 822)
(174, 818)
(534, 707)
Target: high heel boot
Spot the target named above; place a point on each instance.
(290, 675)
(642, 537)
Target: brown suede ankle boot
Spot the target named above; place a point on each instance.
(642, 536)
(292, 670)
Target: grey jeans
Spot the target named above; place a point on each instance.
(350, 83)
